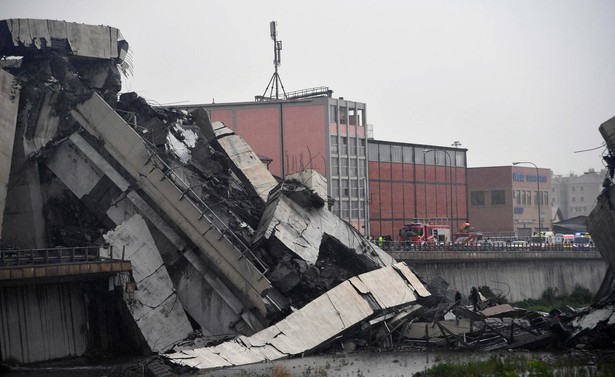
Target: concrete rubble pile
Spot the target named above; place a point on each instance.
(257, 266)
(187, 201)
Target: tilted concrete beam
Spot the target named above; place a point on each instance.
(9, 106)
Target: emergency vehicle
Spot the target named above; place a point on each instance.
(420, 234)
(582, 241)
(467, 235)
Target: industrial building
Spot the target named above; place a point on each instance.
(377, 192)
(506, 200)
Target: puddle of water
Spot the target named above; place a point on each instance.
(385, 364)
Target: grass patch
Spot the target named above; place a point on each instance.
(549, 300)
(515, 367)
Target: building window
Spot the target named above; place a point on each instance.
(396, 153)
(477, 198)
(498, 197)
(352, 146)
(362, 172)
(333, 113)
(372, 150)
(345, 192)
(361, 188)
(335, 188)
(354, 189)
(407, 155)
(582, 198)
(385, 153)
(441, 158)
(573, 188)
(362, 147)
(344, 167)
(581, 188)
(343, 114)
(343, 145)
(529, 198)
(334, 146)
(353, 168)
(354, 209)
(459, 159)
(574, 199)
(334, 167)
(517, 196)
(352, 119)
(345, 210)
(419, 156)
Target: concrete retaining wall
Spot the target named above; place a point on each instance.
(521, 278)
(42, 322)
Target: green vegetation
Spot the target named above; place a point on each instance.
(580, 297)
(515, 367)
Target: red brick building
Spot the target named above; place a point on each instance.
(505, 199)
(415, 183)
(330, 135)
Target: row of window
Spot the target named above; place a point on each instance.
(345, 167)
(498, 197)
(415, 155)
(525, 197)
(347, 188)
(344, 115)
(578, 209)
(347, 146)
(349, 210)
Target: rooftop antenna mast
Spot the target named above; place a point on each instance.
(276, 82)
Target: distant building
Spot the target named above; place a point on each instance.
(576, 195)
(310, 129)
(503, 200)
(415, 183)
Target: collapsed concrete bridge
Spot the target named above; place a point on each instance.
(215, 242)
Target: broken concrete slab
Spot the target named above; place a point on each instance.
(178, 201)
(245, 162)
(312, 180)
(302, 230)
(9, 106)
(92, 41)
(154, 303)
(202, 294)
(324, 318)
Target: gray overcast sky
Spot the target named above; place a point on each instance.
(511, 80)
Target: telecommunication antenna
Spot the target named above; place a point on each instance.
(276, 82)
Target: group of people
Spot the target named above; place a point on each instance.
(474, 298)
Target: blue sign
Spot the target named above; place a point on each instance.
(521, 177)
(518, 210)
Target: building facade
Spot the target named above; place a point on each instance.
(415, 183)
(402, 183)
(576, 195)
(321, 133)
(509, 201)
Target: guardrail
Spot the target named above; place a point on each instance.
(395, 246)
(14, 258)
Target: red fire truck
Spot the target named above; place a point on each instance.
(421, 234)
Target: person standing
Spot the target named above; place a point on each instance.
(474, 297)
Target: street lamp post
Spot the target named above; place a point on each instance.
(538, 195)
(450, 165)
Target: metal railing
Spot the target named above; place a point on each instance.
(394, 246)
(205, 211)
(51, 256)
